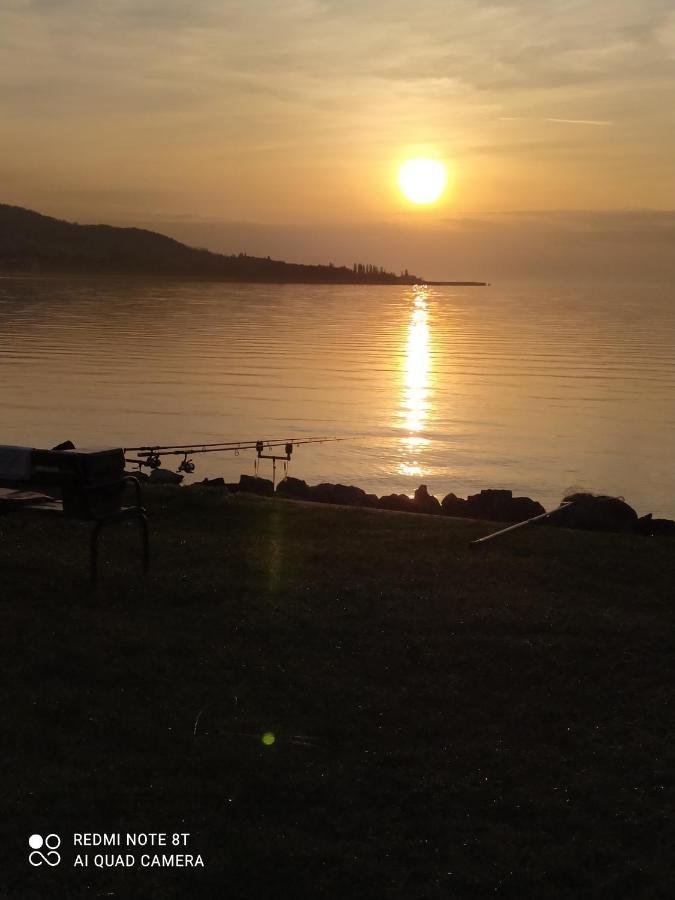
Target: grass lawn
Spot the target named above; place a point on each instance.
(485, 722)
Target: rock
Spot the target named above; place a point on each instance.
(495, 505)
(523, 508)
(342, 494)
(655, 527)
(252, 485)
(212, 482)
(164, 476)
(501, 506)
(596, 513)
(293, 489)
(452, 505)
(489, 504)
(663, 527)
(399, 502)
(644, 524)
(66, 445)
(208, 493)
(425, 502)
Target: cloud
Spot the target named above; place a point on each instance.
(600, 122)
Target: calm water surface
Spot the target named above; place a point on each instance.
(537, 387)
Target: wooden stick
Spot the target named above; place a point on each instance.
(488, 537)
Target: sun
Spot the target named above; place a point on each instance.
(422, 180)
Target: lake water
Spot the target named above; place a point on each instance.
(534, 387)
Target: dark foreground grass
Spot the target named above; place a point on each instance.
(493, 722)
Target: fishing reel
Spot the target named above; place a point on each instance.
(153, 460)
(186, 465)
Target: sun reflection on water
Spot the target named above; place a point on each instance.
(416, 385)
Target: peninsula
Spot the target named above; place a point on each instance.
(31, 243)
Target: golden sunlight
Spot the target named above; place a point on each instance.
(416, 384)
(422, 180)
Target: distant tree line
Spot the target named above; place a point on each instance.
(30, 242)
(368, 269)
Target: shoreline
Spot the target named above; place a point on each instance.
(29, 276)
(585, 511)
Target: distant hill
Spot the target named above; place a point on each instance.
(33, 243)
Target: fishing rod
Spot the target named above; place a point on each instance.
(540, 517)
(231, 445)
(151, 456)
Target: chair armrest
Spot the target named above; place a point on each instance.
(137, 488)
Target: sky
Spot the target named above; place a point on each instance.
(279, 127)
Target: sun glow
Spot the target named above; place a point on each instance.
(422, 181)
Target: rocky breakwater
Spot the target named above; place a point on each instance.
(586, 511)
(495, 505)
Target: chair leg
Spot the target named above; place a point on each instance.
(145, 538)
(93, 553)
